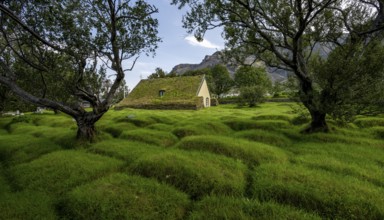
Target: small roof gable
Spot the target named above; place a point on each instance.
(175, 88)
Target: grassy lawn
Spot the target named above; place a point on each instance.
(223, 162)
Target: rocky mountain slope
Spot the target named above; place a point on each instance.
(214, 59)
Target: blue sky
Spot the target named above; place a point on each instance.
(176, 46)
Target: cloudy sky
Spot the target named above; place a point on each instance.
(176, 47)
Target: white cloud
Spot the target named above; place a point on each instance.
(205, 43)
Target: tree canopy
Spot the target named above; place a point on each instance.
(62, 45)
(287, 34)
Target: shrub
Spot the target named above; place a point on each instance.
(267, 137)
(331, 196)
(159, 138)
(197, 174)
(59, 171)
(252, 153)
(241, 208)
(119, 196)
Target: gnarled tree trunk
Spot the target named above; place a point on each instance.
(86, 126)
(318, 122)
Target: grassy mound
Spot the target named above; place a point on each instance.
(159, 138)
(141, 121)
(15, 149)
(125, 150)
(248, 124)
(242, 209)
(267, 137)
(345, 167)
(273, 117)
(4, 187)
(59, 171)
(197, 174)
(368, 122)
(331, 196)
(119, 196)
(27, 205)
(201, 128)
(252, 153)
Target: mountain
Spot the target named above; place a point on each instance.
(215, 58)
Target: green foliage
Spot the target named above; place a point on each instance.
(159, 73)
(253, 84)
(241, 208)
(197, 174)
(252, 153)
(57, 172)
(219, 81)
(350, 79)
(120, 196)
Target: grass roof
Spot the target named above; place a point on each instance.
(176, 90)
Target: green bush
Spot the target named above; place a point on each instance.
(252, 153)
(119, 196)
(197, 174)
(267, 137)
(159, 138)
(59, 171)
(243, 209)
(331, 196)
(27, 205)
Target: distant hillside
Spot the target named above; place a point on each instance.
(214, 59)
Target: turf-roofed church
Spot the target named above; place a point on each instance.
(183, 92)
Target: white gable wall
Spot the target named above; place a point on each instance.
(204, 92)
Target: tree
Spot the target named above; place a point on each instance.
(286, 34)
(351, 80)
(64, 41)
(219, 80)
(159, 73)
(253, 84)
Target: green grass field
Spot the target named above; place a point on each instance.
(223, 162)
